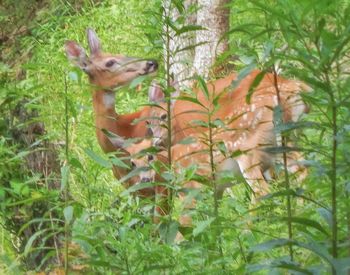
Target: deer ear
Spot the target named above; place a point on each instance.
(76, 54)
(93, 41)
(155, 93)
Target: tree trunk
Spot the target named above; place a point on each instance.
(183, 60)
(214, 16)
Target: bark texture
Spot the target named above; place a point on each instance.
(182, 62)
(214, 16)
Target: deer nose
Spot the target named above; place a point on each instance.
(151, 65)
(146, 180)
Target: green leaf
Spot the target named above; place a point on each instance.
(254, 84)
(203, 86)
(188, 140)
(101, 161)
(201, 226)
(201, 123)
(138, 80)
(242, 74)
(347, 187)
(268, 245)
(189, 28)
(285, 127)
(21, 155)
(282, 193)
(76, 163)
(138, 187)
(118, 162)
(73, 76)
(222, 147)
(341, 265)
(68, 213)
(326, 215)
(191, 99)
(307, 222)
(16, 186)
(218, 123)
(279, 263)
(190, 47)
(167, 176)
(168, 231)
(31, 240)
(64, 176)
(179, 5)
(281, 149)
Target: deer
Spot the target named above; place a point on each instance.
(233, 106)
(106, 72)
(249, 129)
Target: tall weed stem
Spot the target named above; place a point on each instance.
(286, 174)
(66, 187)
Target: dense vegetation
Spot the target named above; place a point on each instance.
(60, 203)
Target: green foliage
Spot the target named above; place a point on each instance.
(308, 40)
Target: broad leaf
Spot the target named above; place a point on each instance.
(201, 226)
(98, 159)
(68, 213)
(254, 84)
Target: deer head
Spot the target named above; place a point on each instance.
(158, 121)
(140, 159)
(107, 70)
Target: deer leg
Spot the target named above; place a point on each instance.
(253, 174)
(188, 203)
(295, 167)
(230, 165)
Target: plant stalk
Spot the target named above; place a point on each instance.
(286, 174)
(213, 179)
(66, 188)
(334, 180)
(168, 84)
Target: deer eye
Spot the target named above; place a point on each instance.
(163, 117)
(110, 63)
(150, 157)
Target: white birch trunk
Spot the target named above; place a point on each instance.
(182, 62)
(214, 16)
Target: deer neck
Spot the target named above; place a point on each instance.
(105, 117)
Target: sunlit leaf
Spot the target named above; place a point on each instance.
(306, 222)
(254, 84)
(201, 226)
(32, 239)
(168, 231)
(188, 140)
(242, 74)
(68, 213)
(64, 176)
(98, 159)
(118, 162)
